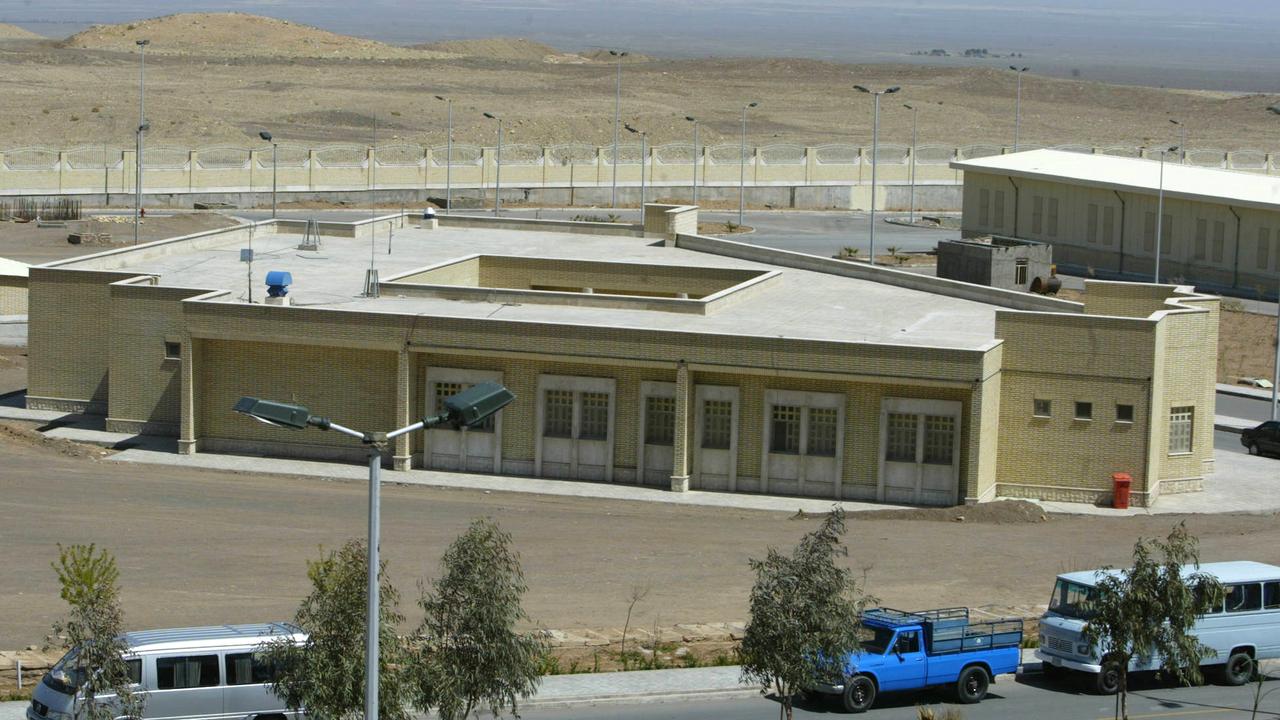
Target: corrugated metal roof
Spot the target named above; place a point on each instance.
(1186, 182)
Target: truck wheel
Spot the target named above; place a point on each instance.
(971, 687)
(859, 694)
(1238, 670)
(1107, 682)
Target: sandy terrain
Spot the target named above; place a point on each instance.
(239, 74)
(1246, 346)
(25, 242)
(13, 32)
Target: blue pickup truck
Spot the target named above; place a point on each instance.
(928, 648)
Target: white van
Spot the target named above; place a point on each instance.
(1241, 631)
(211, 673)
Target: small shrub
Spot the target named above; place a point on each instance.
(75, 118)
(1030, 641)
(96, 109)
(550, 665)
(691, 661)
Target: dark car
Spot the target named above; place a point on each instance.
(1263, 439)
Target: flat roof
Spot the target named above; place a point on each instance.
(208, 636)
(799, 304)
(1185, 182)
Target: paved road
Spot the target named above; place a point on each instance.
(1024, 698)
(1239, 407)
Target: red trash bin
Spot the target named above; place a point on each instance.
(1120, 482)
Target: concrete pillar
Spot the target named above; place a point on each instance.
(546, 163)
(427, 157)
(187, 426)
(128, 169)
(193, 158)
(683, 434)
(62, 169)
(755, 165)
(254, 156)
(486, 160)
(311, 170)
(370, 173)
(810, 164)
(401, 454)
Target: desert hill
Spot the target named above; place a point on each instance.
(13, 32)
(499, 48)
(237, 34)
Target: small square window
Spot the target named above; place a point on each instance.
(172, 351)
(1084, 410)
(1124, 413)
(1041, 408)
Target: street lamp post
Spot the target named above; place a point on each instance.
(911, 211)
(143, 126)
(696, 157)
(1275, 375)
(1017, 106)
(742, 164)
(1160, 212)
(497, 177)
(617, 118)
(267, 136)
(875, 152)
(1182, 140)
(448, 151)
(468, 408)
(644, 151)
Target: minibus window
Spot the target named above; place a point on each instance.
(1072, 600)
(186, 672)
(1244, 598)
(135, 670)
(1271, 595)
(248, 669)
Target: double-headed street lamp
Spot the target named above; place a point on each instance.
(468, 408)
(617, 120)
(448, 151)
(644, 151)
(911, 211)
(1182, 138)
(1160, 211)
(875, 160)
(143, 126)
(1017, 106)
(497, 182)
(265, 135)
(694, 120)
(742, 164)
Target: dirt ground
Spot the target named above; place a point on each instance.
(1246, 346)
(30, 244)
(236, 75)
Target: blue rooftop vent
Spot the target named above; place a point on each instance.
(278, 282)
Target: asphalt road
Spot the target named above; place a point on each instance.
(1239, 407)
(1027, 697)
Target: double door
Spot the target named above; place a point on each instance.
(477, 449)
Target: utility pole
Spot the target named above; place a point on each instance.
(875, 152)
(143, 126)
(617, 119)
(1017, 107)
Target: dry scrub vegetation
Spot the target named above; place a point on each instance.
(219, 78)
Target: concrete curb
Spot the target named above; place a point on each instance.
(639, 698)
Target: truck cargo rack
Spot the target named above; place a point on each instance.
(948, 630)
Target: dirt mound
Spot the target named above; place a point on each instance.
(499, 48)
(1001, 512)
(237, 34)
(13, 32)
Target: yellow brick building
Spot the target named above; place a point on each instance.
(638, 355)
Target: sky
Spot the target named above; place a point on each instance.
(1229, 45)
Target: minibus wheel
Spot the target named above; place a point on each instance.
(1238, 670)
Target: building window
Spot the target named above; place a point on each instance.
(1108, 223)
(1166, 234)
(1053, 217)
(1020, 272)
(1202, 239)
(1219, 240)
(902, 438)
(1093, 223)
(659, 420)
(1264, 248)
(595, 416)
(1037, 214)
(1149, 232)
(1124, 413)
(1084, 410)
(939, 439)
(1181, 420)
(999, 210)
(557, 421)
(172, 351)
(822, 432)
(717, 424)
(1041, 408)
(784, 430)
(984, 209)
